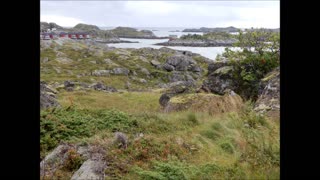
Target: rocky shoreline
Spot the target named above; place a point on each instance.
(143, 37)
(114, 41)
(199, 43)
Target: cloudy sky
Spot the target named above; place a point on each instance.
(241, 14)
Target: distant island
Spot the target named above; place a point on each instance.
(212, 39)
(106, 36)
(218, 29)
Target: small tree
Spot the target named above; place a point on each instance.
(259, 54)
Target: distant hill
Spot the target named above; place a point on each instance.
(45, 26)
(127, 32)
(86, 27)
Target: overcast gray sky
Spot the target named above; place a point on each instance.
(241, 14)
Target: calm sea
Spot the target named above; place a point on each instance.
(209, 52)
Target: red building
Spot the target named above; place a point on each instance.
(63, 34)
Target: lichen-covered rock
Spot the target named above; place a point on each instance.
(101, 87)
(69, 85)
(168, 67)
(155, 63)
(219, 78)
(47, 96)
(211, 103)
(145, 71)
(54, 160)
(64, 60)
(268, 101)
(120, 71)
(101, 73)
(90, 170)
(180, 62)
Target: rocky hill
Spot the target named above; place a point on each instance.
(86, 27)
(210, 39)
(142, 68)
(127, 32)
(45, 26)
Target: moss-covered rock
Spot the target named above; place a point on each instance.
(202, 102)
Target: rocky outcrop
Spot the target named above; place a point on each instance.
(47, 96)
(90, 169)
(268, 101)
(115, 71)
(219, 78)
(181, 63)
(127, 32)
(93, 165)
(120, 71)
(199, 43)
(69, 85)
(211, 103)
(176, 88)
(101, 87)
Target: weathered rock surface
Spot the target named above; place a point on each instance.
(93, 166)
(211, 103)
(120, 71)
(219, 78)
(69, 85)
(268, 101)
(90, 170)
(101, 73)
(101, 87)
(47, 96)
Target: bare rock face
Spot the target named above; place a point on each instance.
(54, 160)
(47, 96)
(269, 99)
(101, 87)
(180, 62)
(121, 139)
(219, 78)
(90, 169)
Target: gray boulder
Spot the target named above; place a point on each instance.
(69, 85)
(268, 101)
(47, 96)
(120, 71)
(145, 71)
(220, 80)
(101, 87)
(101, 73)
(195, 68)
(168, 67)
(155, 63)
(90, 169)
(180, 62)
(174, 77)
(164, 99)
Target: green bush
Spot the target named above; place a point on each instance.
(259, 55)
(67, 123)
